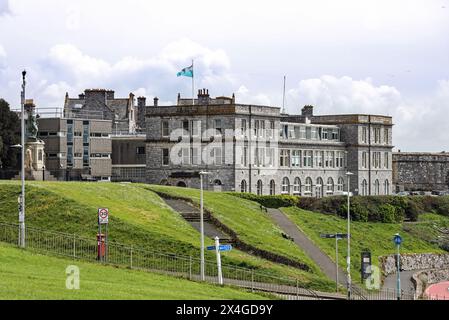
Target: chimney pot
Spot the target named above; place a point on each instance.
(156, 99)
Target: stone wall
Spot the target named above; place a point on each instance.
(421, 171)
(427, 277)
(418, 261)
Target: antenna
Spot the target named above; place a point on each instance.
(283, 98)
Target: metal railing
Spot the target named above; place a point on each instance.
(77, 247)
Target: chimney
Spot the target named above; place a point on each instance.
(81, 96)
(203, 96)
(307, 111)
(141, 102)
(110, 94)
(155, 100)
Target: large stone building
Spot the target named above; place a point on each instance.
(258, 149)
(420, 171)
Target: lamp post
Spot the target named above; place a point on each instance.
(348, 260)
(398, 240)
(22, 198)
(202, 173)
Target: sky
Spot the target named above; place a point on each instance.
(347, 56)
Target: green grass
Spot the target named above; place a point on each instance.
(429, 227)
(24, 275)
(377, 237)
(139, 218)
(252, 225)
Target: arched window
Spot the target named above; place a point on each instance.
(182, 184)
(259, 187)
(319, 187)
(297, 186)
(308, 187)
(243, 186)
(341, 183)
(330, 186)
(376, 187)
(285, 186)
(217, 182)
(364, 188)
(272, 187)
(387, 187)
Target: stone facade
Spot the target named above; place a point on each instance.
(266, 152)
(415, 171)
(419, 261)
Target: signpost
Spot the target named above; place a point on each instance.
(336, 236)
(218, 248)
(103, 219)
(397, 239)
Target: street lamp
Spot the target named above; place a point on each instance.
(398, 240)
(22, 147)
(202, 173)
(348, 260)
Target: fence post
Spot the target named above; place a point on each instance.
(297, 290)
(252, 280)
(74, 246)
(131, 258)
(190, 268)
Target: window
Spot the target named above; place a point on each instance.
(69, 156)
(308, 133)
(376, 188)
(85, 156)
(340, 184)
(364, 134)
(185, 128)
(364, 159)
(243, 127)
(386, 160)
(330, 186)
(85, 131)
(339, 159)
(302, 132)
(285, 186)
(165, 157)
(96, 134)
(259, 187)
(307, 158)
(243, 186)
(319, 187)
(140, 150)
(387, 187)
(260, 155)
(325, 135)
(308, 186)
(296, 158)
(335, 134)
(283, 132)
(244, 159)
(218, 127)
(78, 155)
(386, 138)
(272, 187)
(364, 188)
(269, 157)
(165, 130)
(319, 157)
(196, 127)
(194, 156)
(284, 160)
(376, 160)
(259, 128)
(376, 135)
(69, 131)
(329, 160)
(78, 134)
(297, 186)
(217, 156)
(271, 130)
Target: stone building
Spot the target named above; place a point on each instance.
(102, 104)
(258, 149)
(420, 171)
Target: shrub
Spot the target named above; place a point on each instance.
(412, 211)
(387, 213)
(275, 201)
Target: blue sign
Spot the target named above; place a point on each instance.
(397, 239)
(222, 247)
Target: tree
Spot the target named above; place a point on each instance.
(9, 135)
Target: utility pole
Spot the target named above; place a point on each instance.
(348, 260)
(22, 198)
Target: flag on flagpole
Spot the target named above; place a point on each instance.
(186, 72)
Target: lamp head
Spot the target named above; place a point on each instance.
(24, 74)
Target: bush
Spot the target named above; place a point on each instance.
(387, 213)
(275, 201)
(412, 211)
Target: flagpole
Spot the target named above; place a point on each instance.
(283, 98)
(193, 85)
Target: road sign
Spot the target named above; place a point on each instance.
(334, 235)
(103, 216)
(221, 247)
(397, 239)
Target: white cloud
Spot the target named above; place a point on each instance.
(419, 124)
(244, 95)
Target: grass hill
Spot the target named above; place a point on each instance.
(375, 236)
(46, 279)
(139, 217)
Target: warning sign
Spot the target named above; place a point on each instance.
(103, 216)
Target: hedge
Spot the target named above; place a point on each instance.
(274, 201)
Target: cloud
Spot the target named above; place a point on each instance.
(419, 123)
(244, 95)
(72, 68)
(4, 7)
